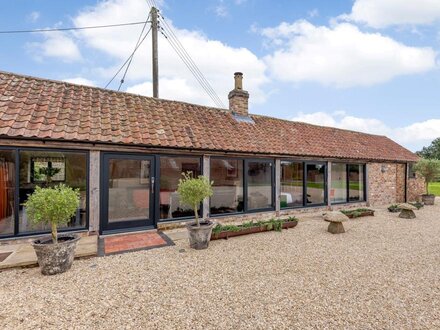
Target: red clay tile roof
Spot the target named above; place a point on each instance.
(45, 109)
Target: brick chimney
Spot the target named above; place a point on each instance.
(238, 98)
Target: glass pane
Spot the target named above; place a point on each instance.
(171, 169)
(338, 191)
(259, 194)
(7, 191)
(356, 182)
(129, 190)
(227, 175)
(315, 184)
(46, 168)
(291, 184)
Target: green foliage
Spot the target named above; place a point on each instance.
(434, 188)
(193, 191)
(356, 213)
(432, 151)
(394, 208)
(271, 224)
(429, 169)
(417, 204)
(54, 206)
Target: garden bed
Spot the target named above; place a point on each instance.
(357, 213)
(226, 231)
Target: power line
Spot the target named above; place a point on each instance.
(189, 62)
(137, 45)
(70, 28)
(128, 59)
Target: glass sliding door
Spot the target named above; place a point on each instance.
(128, 187)
(292, 185)
(315, 187)
(227, 177)
(338, 188)
(259, 178)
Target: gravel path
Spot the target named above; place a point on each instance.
(383, 273)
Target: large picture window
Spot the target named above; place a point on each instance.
(347, 183)
(227, 177)
(259, 184)
(46, 169)
(338, 188)
(292, 185)
(171, 169)
(315, 176)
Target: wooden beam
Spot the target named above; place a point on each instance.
(206, 173)
(94, 190)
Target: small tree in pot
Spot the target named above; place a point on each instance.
(192, 192)
(54, 206)
(430, 170)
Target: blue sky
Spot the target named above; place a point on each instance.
(368, 65)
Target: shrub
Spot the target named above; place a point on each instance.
(429, 169)
(193, 191)
(54, 206)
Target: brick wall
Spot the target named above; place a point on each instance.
(400, 182)
(416, 187)
(386, 184)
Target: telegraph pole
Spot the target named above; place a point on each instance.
(154, 28)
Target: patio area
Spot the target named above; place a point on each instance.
(384, 272)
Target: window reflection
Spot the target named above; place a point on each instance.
(259, 190)
(291, 184)
(171, 169)
(227, 175)
(315, 184)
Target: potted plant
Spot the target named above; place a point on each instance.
(192, 192)
(54, 206)
(430, 170)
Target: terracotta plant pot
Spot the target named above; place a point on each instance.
(199, 237)
(55, 258)
(428, 199)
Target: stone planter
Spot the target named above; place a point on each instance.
(199, 237)
(360, 214)
(428, 199)
(55, 258)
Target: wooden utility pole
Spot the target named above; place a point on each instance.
(154, 28)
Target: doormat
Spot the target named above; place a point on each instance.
(132, 242)
(4, 255)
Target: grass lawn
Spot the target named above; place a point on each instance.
(434, 188)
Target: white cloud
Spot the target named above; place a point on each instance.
(56, 45)
(413, 136)
(80, 81)
(384, 13)
(221, 11)
(215, 59)
(33, 16)
(341, 55)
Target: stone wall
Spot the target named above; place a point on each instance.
(386, 184)
(382, 183)
(400, 182)
(416, 187)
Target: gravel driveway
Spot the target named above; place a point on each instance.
(383, 273)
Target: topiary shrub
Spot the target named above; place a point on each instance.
(193, 191)
(54, 206)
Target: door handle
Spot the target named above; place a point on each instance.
(152, 185)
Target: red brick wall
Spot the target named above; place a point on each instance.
(388, 186)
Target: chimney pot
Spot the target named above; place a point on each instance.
(238, 78)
